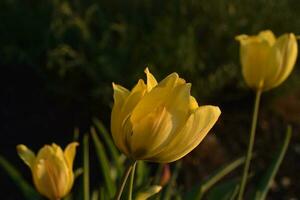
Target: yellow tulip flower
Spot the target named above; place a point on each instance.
(267, 61)
(52, 169)
(159, 122)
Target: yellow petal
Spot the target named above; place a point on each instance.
(26, 155)
(191, 134)
(264, 36)
(51, 176)
(254, 59)
(70, 152)
(285, 54)
(154, 127)
(175, 113)
(179, 101)
(268, 36)
(151, 81)
(58, 152)
(121, 114)
(120, 93)
(143, 195)
(156, 97)
(120, 96)
(193, 104)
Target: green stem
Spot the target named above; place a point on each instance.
(86, 170)
(250, 147)
(131, 181)
(124, 179)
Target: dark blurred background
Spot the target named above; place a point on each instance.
(58, 59)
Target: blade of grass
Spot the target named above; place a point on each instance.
(104, 164)
(111, 146)
(220, 174)
(27, 190)
(142, 173)
(198, 191)
(86, 168)
(102, 193)
(76, 134)
(95, 195)
(267, 179)
(223, 191)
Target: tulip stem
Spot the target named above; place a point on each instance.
(250, 147)
(131, 181)
(124, 180)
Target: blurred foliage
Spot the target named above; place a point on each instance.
(89, 44)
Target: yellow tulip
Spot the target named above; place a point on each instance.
(52, 169)
(159, 122)
(267, 61)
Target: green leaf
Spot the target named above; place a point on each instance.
(86, 168)
(76, 134)
(78, 172)
(142, 172)
(104, 164)
(27, 190)
(198, 191)
(111, 146)
(95, 195)
(102, 193)
(264, 185)
(224, 191)
(150, 191)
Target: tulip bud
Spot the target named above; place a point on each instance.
(52, 169)
(159, 122)
(267, 61)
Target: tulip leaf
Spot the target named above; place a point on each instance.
(27, 190)
(110, 144)
(150, 191)
(95, 195)
(86, 168)
(102, 193)
(224, 191)
(142, 172)
(264, 184)
(198, 191)
(104, 164)
(76, 134)
(78, 172)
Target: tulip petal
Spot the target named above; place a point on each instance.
(151, 81)
(254, 57)
(69, 153)
(51, 176)
(156, 97)
(152, 130)
(120, 115)
(195, 129)
(193, 104)
(26, 155)
(58, 152)
(120, 96)
(267, 36)
(120, 93)
(286, 51)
